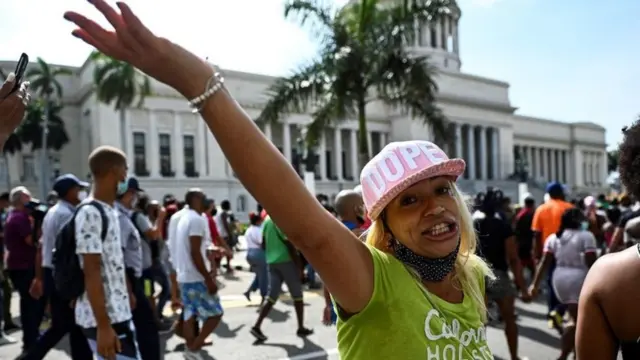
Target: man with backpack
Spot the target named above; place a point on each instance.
(94, 281)
(71, 192)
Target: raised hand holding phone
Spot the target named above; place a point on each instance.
(14, 98)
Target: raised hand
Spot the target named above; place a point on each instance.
(134, 43)
(12, 106)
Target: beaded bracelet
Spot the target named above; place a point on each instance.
(215, 83)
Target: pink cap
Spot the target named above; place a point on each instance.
(400, 165)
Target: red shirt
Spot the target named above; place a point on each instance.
(367, 223)
(215, 235)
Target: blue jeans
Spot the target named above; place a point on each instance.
(258, 261)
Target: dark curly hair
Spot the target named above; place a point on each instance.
(629, 158)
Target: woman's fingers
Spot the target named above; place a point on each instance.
(8, 85)
(135, 27)
(94, 30)
(115, 19)
(84, 36)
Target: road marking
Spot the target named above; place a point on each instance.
(231, 301)
(313, 355)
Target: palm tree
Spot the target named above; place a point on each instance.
(119, 83)
(362, 59)
(44, 82)
(33, 126)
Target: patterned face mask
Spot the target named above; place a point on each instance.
(433, 270)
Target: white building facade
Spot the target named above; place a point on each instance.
(170, 149)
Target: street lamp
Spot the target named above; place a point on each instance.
(307, 160)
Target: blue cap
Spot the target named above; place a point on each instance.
(554, 187)
(133, 184)
(66, 182)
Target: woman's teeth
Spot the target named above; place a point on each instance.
(440, 229)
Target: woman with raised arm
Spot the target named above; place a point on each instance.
(416, 287)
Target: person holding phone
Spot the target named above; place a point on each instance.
(13, 104)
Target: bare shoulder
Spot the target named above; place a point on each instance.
(611, 274)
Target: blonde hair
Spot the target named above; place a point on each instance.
(469, 268)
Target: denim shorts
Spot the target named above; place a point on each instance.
(197, 301)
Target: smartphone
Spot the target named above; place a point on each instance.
(20, 70)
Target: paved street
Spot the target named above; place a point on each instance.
(233, 341)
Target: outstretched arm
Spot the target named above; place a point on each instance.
(333, 250)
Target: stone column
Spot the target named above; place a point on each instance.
(129, 140)
(495, 146)
(370, 144)
(605, 168)
(286, 139)
(530, 161)
(438, 26)
(201, 148)
(353, 142)
(456, 46)
(458, 141)
(337, 146)
(178, 147)
(554, 173)
(322, 154)
(471, 155)
(483, 150)
(445, 31)
(154, 146)
(535, 169)
(577, 168)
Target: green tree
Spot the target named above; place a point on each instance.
(45, 83)
(119, 84)
(31, 129)
(362, 59)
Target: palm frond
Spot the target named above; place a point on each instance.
(13, 144)
(326, 114)
(407, 83)
(30, 131)
(316, 11)
(119, 83)
(295, 93)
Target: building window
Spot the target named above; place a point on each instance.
(28, 168)
(189, 156)
(165, 155)
(140, 154)
(241, 204)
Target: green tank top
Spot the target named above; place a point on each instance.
(403, 321)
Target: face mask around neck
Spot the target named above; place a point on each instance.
(433, 270)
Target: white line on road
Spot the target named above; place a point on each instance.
(313, 355)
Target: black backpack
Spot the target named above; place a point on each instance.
(67, 273)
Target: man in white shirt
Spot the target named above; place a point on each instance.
(197, 287)
(103, 311)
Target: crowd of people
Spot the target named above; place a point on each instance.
(427, 268)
